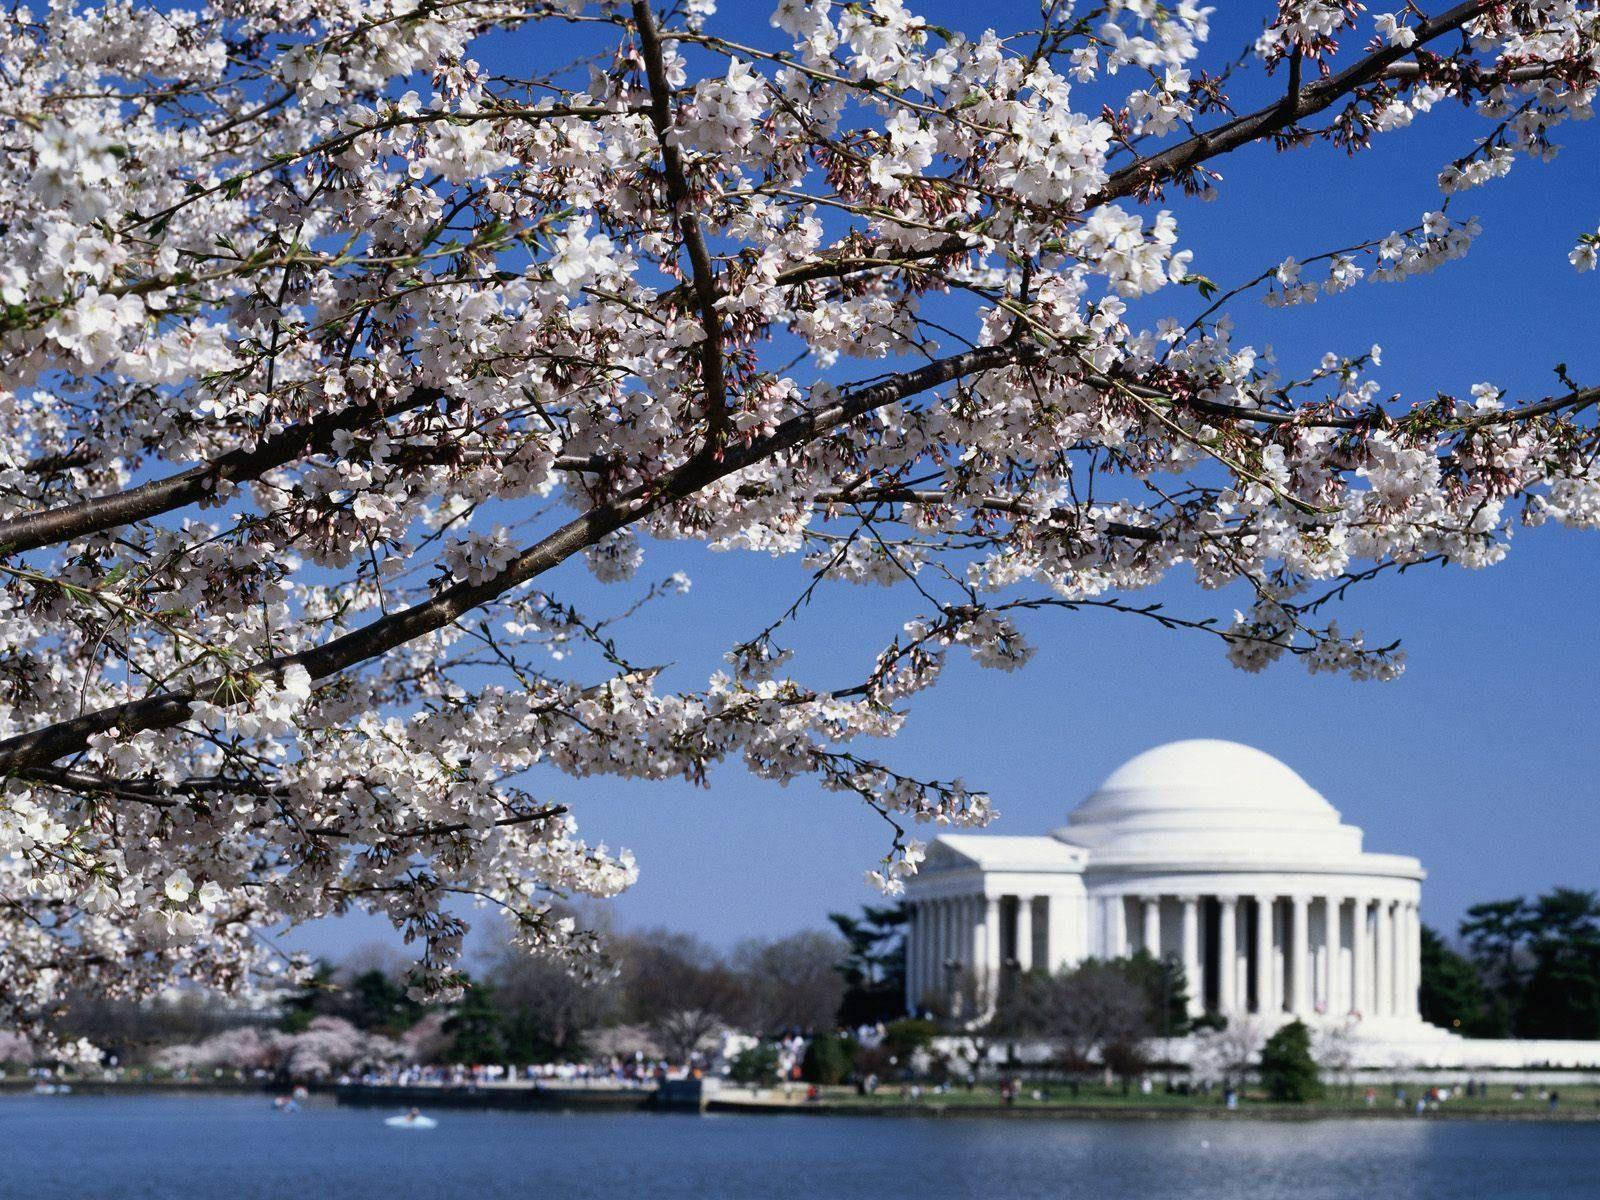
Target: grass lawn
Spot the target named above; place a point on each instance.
(1500, 1099)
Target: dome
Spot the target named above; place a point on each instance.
(1208, 797)
(1208, 773)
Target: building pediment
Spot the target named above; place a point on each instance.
(942, 856)
(992, 853)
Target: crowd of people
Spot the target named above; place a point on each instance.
(632, 1072)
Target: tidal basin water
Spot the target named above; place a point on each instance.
(237, 1148)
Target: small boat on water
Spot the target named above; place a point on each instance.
(52, 1089)
(411, 1120)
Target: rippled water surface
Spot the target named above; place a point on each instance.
(220, 1148)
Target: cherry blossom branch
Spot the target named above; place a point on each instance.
(173, 708)
(84, 518)
(703, 274)
(1145, 176)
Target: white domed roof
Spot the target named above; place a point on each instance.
(1208, 797)
(1209, 772)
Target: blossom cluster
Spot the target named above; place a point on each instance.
(329, 355)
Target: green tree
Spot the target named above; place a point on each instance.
(475, 1027)
(526, 1036)
(1452, 994)
(1165, 983)
(758, 1064)
(1288, 1071)
(827, 1060)
(313, 1000)
(1494, 933)
(874, 965)
(1561, 998)
(1540, 962)
(377, 1001)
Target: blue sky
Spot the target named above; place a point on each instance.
(1480, 759)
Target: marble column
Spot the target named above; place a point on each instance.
(929, 975)
(1119, 927)
(950, 952)
(1298, 957)
(1416, 959)
(1151, 934)
(973, 941)
(968, 923)
(1024, 933)
(1332, 940)
(989, 962)
(1397, 956)
(1402, 956)
(1401, 966)
(1383, 1000)
(1227, 955)
(1191, 955)
(1058, 929)
(1413, 960)
(1266, 1000)
(961, 931)
(1360, 958)
(959, 952)
(917, 955)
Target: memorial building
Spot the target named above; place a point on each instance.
(1211, 852)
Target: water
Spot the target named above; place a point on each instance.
(237, 1148)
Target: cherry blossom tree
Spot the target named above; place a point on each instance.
(1227, 1055)
(328, 355)
(327, 1046)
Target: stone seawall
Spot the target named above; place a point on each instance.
(512, 1096)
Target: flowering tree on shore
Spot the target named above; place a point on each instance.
(328, 355)
(326, 1047)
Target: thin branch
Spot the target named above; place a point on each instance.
(703, 275)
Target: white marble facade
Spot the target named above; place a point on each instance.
(1209, 851)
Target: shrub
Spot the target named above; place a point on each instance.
(1287, 1069)
(827, 1060)
(905, 1038)
(758, 1064)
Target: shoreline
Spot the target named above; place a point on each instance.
(731, 1103)
(1252, 1111)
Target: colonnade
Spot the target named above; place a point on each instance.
(1300, 954)
(951, 939)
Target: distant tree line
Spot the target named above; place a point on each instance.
(1525, 968)
(670, 993)
(1522, 968)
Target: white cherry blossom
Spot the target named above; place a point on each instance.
(341, 371)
